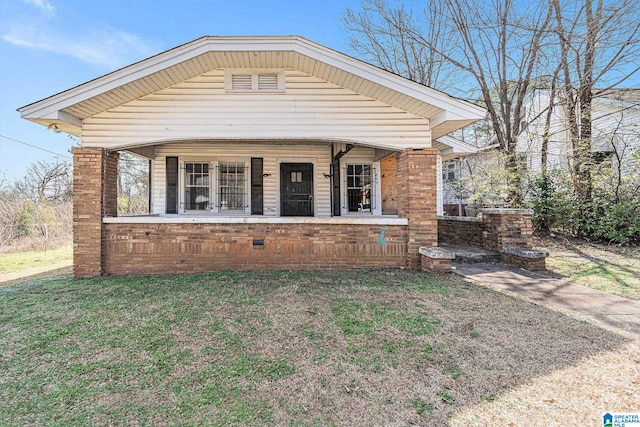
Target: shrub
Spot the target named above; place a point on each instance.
(612, 215)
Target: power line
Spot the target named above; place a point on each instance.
(35, 146)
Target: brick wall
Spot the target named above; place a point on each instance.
(461, 231)
(135, 248)
(498, 229)
(95, 195)
(417, 200)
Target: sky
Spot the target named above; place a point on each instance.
(47, 46)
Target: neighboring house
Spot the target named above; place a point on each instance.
(476, 179)
(615, 131)
(473, 181)
(266, 152)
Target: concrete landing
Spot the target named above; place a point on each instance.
(467, 254)
(610, 309)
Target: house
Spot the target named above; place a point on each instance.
(472, 181)
(476, 179)
(265, 152)
(615, 131)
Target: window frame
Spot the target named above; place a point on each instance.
(376, 205)
(246, 209)
(214, 185)
(254, 73)
(449, 170)
(182, 178)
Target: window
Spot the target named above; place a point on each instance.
(196, 192)
(359, 188)
(248, 81)
(449, 170)
(602, 157)
(296, 176)
(231, 186)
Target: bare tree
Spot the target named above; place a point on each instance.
(43, 180)
(133, 185)
(496, 46)
(600, 46)
(383, 35)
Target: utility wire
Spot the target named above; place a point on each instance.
(35, 146)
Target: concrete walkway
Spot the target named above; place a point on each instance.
(609, 309)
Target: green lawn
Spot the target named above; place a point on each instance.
(275, 348)
(16, 261)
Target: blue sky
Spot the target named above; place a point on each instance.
(47, 46)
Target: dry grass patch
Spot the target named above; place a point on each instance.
(14, 265)
(289, 348)
(612, 269)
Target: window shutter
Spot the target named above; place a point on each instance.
(268, 82)
(257, 204)
(335, 182)
(172, 185)
(241, 81)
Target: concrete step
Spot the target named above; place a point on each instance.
(466, 254)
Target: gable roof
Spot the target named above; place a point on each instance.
(67, 109)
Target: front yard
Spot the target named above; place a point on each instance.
(313, 348)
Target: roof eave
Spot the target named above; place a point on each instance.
(46, 107)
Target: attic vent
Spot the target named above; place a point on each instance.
(248, 81)
(268, 82)
(241, 81)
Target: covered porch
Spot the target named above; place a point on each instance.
(186, 241)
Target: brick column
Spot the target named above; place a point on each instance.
(94, 196)
(507, 228)
(417, 200)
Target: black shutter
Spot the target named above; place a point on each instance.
(257, 206)
(172, 185)
(335, 183)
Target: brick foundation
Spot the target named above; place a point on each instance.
(436, 265)
(161, 248)
(417, 200)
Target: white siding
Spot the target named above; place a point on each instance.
(158, 184)
(272, 155)
(310, 109)
(613, 121)
(616, 128)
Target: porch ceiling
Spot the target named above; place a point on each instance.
(67, 109)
